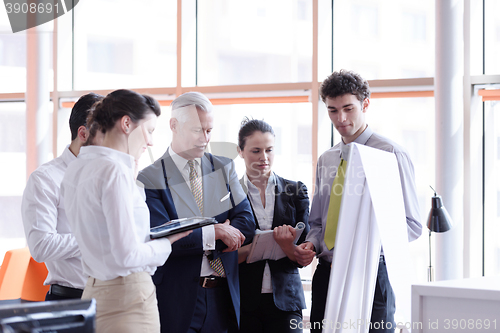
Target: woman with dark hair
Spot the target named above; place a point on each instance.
(110, 219)
(271, 291)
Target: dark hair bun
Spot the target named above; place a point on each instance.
(120, 103)
(250, 126)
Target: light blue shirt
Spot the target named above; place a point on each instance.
(325, 173)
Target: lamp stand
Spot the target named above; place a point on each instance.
(430, 270)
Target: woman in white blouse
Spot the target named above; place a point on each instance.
(272, 297)
(110, 219)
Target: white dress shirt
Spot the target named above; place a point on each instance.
(208, 232)
(325, 173)
(109, 216)
(264, 216)
(46, 226)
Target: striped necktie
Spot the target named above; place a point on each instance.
(196, 185)
(197, 189)
(332, 218)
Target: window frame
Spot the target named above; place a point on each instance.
(299, 92)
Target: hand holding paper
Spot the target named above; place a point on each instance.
(265, 246)
(284, 236)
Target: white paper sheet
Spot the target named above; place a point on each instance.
(371, 214)
(265, 247)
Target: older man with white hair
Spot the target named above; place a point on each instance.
(198, 288)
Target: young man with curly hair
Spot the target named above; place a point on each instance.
(347, 98)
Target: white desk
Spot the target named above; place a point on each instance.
(467, 305)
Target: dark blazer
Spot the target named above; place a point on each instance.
(291, 206)
(169, 197)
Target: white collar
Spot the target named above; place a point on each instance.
(271, 180)
(67, 155)
(181, 162)
(96, 151)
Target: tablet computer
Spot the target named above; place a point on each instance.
(180, 225)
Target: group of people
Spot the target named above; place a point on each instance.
(87, 215)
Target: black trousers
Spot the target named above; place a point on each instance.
(267, 318)
(384, 301)
(214, 311)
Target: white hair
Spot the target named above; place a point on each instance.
(192, 98)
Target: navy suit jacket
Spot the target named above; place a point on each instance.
(169, 197)
(290, 207)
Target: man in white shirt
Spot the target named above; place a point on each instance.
(45, 223)
(347, 98)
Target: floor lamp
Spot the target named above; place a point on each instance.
(439, 221)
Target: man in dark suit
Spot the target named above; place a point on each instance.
(198, 288)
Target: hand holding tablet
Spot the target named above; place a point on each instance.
(180, 225)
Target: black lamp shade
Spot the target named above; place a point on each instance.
(439, 219)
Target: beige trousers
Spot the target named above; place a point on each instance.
(125, 304)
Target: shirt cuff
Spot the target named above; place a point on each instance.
(208, 236)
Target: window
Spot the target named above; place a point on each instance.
(491, 188)
(292, 124)
(125, 44)
(162, 136)
(415, 24)
(249, 42)
(130, 44)
(13, 56)
(114, 57)
(63, 131)
(410, 123)
(12, 59)
(13, 50)
(384, 39)
(325, 47)
(364, 21)
(12, 174)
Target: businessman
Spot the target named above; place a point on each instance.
(45, 224)
(347, 98)
(198, 288)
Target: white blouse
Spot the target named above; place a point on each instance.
(264, 217)
(108, 215)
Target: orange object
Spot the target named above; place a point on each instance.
(22, 277)
(14, 267)
(489, 94)
(403, 94)
(33, 288)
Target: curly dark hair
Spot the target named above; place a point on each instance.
(344, 82)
